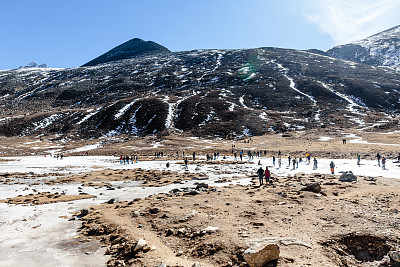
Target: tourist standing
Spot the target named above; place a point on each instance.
(383, 163)
(267, 175)
(332, 165)
(260, 173)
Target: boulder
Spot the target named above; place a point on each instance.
(259, 256)
(314, 187)
(348, 177)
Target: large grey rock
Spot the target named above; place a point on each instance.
(348, 177)
(258, 256)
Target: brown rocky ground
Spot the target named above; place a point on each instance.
(346, 224)
(148, 178)
(43, 198)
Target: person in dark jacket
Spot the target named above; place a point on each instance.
(260, 173)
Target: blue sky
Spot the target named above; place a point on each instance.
(70, 33)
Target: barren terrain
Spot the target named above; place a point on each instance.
(205, 214)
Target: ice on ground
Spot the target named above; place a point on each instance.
(325, 138)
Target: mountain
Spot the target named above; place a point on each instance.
(34, 65)
(382, 49)
(226, 93)
(130, 49)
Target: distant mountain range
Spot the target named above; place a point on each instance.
(34, 65)
(226, 93)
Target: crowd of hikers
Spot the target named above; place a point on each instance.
(128, 159)
(240, 155)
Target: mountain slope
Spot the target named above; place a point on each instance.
(205, 92)
(382, 49)
(130, 49)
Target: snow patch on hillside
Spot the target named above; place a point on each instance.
(124, 109)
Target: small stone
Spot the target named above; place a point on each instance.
(395, 257)
(140, 244)
(83, 213)
(135, 213)
(111, 201)
(179, 253)
(210, 230)
(154, 210)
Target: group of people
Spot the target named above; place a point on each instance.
(126, 159)
(382, 160)
(264, 174)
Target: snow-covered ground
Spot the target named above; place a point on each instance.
(39, 236)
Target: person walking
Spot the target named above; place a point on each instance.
(315, 164)
(358, 159)
(332, 165)
(267, 175)
(378, 157)
(273, 160)
(260, 173)
(186, 163)
(383, 163)
(279, 162)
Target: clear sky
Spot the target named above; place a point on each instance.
(69, 33)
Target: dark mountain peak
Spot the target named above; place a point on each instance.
(133, 48)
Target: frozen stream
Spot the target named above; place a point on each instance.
(42, 236)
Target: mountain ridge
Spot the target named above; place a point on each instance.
(381, 49)
(223, 93)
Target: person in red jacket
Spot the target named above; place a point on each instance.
(267, 175)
